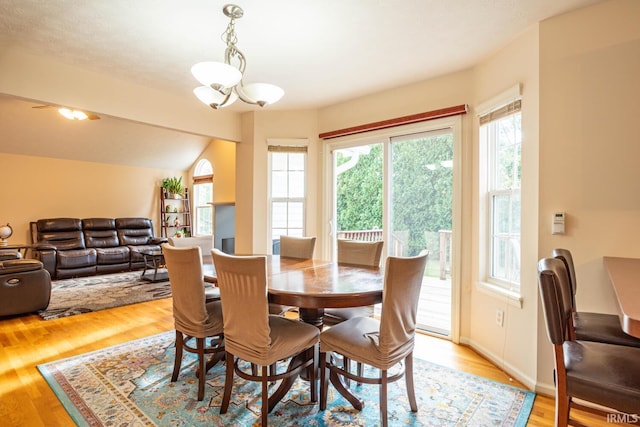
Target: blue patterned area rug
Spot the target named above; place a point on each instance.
(129, 385)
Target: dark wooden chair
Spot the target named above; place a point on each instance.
(603, 374)
(588, 326)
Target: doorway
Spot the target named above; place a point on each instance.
(400, 188)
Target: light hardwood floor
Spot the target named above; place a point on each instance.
(25, 342)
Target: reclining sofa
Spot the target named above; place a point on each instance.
(71, 247)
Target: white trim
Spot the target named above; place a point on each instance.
(288, 142)
(510, 369)
(512, 94)
(383, 136)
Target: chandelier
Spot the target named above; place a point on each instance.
(222, 82)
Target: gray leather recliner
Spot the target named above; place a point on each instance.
(25, 287)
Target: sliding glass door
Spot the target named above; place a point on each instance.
(400, 189)
(421, 213)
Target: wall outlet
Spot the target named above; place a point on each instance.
(500, 317)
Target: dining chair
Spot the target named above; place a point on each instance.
(383, 343)
(195, 319)
(211, 293)
(360, 253)
(599, 373)
(293, 247)
(588, 326)
(259, 339)
(297, 247)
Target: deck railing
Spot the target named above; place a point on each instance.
(366, 235)
(399, 244)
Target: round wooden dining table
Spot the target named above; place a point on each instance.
(314, 285)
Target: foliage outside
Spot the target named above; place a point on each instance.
(421, 192)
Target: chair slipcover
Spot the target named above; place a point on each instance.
(598, 327)
(293, 247)
(297, 247)
(384, 343)
(193, 316)
(251, 333)
(354, 252)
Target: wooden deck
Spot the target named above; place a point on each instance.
(434, 308)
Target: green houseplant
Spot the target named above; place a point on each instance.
(173, 186)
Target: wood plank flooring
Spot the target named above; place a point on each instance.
(25, 342)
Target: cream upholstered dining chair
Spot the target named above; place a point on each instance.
(194, 318)
(293, 247)
(354, 252)
(211, 293)
(605, 374)
(382, 344)
(253, 335)
(599, 327)
(297, 247)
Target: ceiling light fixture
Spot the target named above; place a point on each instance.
(73, 114)
(222, 82)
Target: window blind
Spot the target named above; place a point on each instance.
(505, 110)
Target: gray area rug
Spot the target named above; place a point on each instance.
(86, 294)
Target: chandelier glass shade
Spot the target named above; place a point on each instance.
(222, 82)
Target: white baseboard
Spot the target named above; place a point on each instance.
(497, 360)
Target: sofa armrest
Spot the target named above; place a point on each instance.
(46, 254)
(158, 240)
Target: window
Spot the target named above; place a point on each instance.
(202, 198)
(287, 192)
(501, 142)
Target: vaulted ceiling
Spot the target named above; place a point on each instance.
(319, 52)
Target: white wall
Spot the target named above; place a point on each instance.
(589, 146)
(252, 173)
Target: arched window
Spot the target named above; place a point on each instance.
(202, 198)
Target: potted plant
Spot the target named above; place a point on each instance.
(173, 186)
(165, 187)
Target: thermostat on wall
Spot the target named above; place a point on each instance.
(557, 226)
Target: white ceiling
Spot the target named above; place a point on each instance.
(320, 52)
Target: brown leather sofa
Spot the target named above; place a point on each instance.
(71, 247)
(25, 287)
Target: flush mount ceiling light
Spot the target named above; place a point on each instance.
(222, 82)
(73, 114)
(70, 113)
